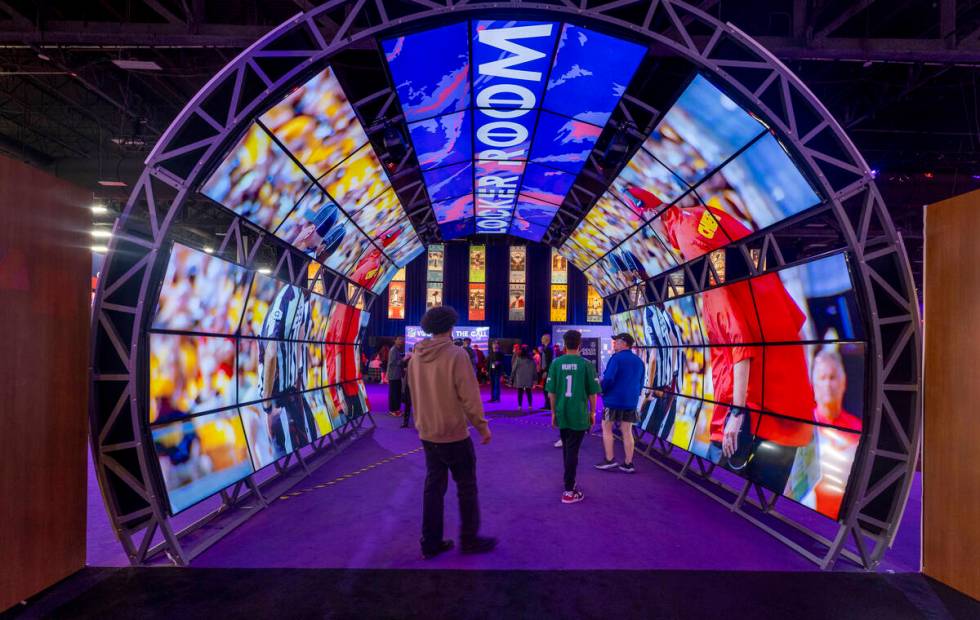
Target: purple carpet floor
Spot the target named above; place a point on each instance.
(371, 519)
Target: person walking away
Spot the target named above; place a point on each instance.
(522, 377)
(396, 371)
(573, 386)
(622, 382)
(445, 396)
(407, 393)
(481, 364)
(495, 367)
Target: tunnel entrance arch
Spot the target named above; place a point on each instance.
(166, 207)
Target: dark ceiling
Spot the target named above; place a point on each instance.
(900, 75)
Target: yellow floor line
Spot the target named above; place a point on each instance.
(322, 485)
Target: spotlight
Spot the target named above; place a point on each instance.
(99, 209)
(265, 271)
(100, 249)
(394, 142)
(928, 175)
(101, 233)
(874, 173)
(615, 152)
(208, 249)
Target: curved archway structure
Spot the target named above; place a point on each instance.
(285, 196)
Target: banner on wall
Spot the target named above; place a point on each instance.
(559, 303)
(593, 306)
(559, 268)
(478, 302)
(478, 264)
(436, 258)
(433, 295)
(396, 300)
(516, 303)
(480, 335)
(518, 264)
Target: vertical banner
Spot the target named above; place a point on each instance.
(396, 296)
(518, 279)
(396, 300)
(433, 295)
(559, 268)
(478, 302)
(518, 264)
(437, 254)
(559, 303)
(515, 307)
(478, 264)
(593, 306)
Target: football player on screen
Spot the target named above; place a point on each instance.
(281, 370)
(740, 315)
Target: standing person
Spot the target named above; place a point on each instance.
(495, 368)
(468, 347)
(573, 387)
(622, 382)
(396, 371)
(407, 393)
(522, 377)
(547, 356)
(445, 395)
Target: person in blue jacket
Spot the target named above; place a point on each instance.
(622, 383)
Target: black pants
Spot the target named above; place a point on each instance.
(457, 457)
(407, 399)
(394, 394)
(520, 396)
(571, 441)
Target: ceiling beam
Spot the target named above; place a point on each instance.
(109, 34)
(842, 18)
(164, 12)
(20, 20)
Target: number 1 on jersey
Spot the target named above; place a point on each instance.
(568, 386)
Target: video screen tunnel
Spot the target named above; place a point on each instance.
(760, 354)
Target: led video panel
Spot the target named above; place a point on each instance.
(709, 174)
(201, 456)
(787, 347)
(201, 293)
(541, 93)
(225, 405)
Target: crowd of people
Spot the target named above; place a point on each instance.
(419, 380)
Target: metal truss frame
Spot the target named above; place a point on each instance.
(254, 80)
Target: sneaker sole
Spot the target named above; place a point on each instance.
(627, 471)
(607, 467)
(572, 501)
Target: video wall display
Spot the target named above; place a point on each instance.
(517, 297)
(243, 369)
(764, 376)
(504, 114)
(709, 174)
(479, 334)
(336, 204)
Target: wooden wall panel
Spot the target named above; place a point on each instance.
(45, 269)
(951, 453)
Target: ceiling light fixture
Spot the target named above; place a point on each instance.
(137, 65)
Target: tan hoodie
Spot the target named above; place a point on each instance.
(445, 393)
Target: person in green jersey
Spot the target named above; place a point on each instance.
(573, 386)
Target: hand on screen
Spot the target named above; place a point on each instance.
(485, 435)
(729, 443)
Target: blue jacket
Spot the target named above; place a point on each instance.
(622, 381)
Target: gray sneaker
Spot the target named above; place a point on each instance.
(606, 465)
(627, 468)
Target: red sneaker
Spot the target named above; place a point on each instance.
(571, 497)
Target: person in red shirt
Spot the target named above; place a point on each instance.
(836, 448)
(741, 314)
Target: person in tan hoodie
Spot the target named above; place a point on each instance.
(445, 396)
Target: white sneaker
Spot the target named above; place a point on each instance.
(558, 444)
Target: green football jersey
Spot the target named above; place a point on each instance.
(571, 380)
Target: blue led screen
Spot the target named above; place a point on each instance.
(521, 102)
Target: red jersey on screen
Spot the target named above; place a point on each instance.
(837, 450)
(731, 317)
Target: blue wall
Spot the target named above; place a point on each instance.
(455, 290)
